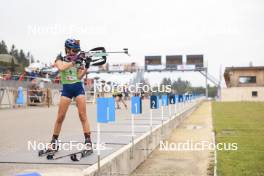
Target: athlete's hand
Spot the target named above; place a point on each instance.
(87, 62)
(81, 55)
(78, 61)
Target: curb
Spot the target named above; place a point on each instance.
(129, 157)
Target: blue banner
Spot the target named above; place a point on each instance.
(186, 97)
(172, 99)
(105, 110)
(165, 100)
(136, 105)
(20, 96)
(111, 105)
(176, 99)
(29, 174)
(154, 102)
(180, 98)
(102, 105)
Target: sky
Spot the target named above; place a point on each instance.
(226, 32)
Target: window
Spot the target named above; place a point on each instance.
(247, 79)
(254, 93)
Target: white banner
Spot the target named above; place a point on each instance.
(155, 67)
(93, 68)
(185, 67)
(116, 67)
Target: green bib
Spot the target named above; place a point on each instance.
(69, 76)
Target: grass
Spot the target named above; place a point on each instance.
(241, 123)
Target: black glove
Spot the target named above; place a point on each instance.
(87, 62)
(82, 55)
(59, 57)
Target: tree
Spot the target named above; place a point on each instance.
(212, 91)
(14, 52)
(3, 48)
(30, 58)
(22, 57)
(166, 81)
(198, 90)
(181, 86)
(12, 66)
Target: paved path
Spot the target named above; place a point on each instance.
(196, 128)
(18, 126)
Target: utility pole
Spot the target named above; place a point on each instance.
(206, 82)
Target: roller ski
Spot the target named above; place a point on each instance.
(51, 150)
(76, 156)
(83, 153)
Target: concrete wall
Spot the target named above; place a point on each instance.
(242, 94)
(128, 158)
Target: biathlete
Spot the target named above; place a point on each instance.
(118, 97)
(71, 72)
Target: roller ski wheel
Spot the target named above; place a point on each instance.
(41, 152)
(79, 155)
(50, 156)
(74, 157)
(86, 152)
(53, 148)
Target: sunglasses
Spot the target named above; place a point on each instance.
(75, 51)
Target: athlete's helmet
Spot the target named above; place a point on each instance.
(73, 44)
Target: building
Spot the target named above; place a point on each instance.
(6, 61)
(243, 84)
(7, 58)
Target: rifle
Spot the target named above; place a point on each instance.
(98, 56)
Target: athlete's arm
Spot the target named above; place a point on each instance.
(63, 65)
(81, 73)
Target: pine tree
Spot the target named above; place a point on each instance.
(32, 59)
(14, 52)
(22, 56)
(3, 48)
(13, 66)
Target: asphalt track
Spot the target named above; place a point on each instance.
(19, 126)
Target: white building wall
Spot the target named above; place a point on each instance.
(242, 94)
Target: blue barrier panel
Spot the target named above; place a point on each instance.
(136, 105)
(29, 174)
(105, 110)
(165, 100)
(102, 105)
(20, 96)
(111, 106)
(180, 98)
(176, 99)
(154, 102)
(172, 99)
(186, 97)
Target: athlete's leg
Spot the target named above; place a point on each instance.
(117, 102)
(63, 107)
(81, 104)
(124, 103)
